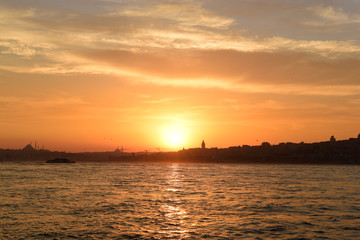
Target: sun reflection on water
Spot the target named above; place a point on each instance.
(173, 212)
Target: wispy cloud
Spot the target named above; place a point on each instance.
(17, 48)
(187, 14)
(286, 89)
(39, 103)
(187, 25)
(329, 15)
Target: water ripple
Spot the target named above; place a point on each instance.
(175, 201)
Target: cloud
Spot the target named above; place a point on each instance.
(185, 44)
(331, 18)
(189, 14)
(158, 24)
(32, 102)
(17, 48)
(283, 89)
(229, 65)
(329, 13)
(7, 14)
(333, 15)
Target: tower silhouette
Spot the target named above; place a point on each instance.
(203, 144)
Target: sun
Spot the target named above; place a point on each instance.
(174, 136)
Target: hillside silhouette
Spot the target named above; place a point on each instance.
(329, 152)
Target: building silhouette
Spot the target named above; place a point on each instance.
(29, 148)
(203, 145)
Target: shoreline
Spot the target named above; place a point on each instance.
(331, 152)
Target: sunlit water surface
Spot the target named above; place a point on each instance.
(178, 201)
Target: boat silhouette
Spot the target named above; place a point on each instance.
(60, 160)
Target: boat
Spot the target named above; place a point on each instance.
(60, 160)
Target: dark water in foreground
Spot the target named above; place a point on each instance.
(174, 201)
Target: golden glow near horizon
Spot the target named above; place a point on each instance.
(175, 136)
(93, 75)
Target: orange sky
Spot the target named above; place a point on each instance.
(91, 75)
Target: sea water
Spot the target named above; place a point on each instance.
(178, 201)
